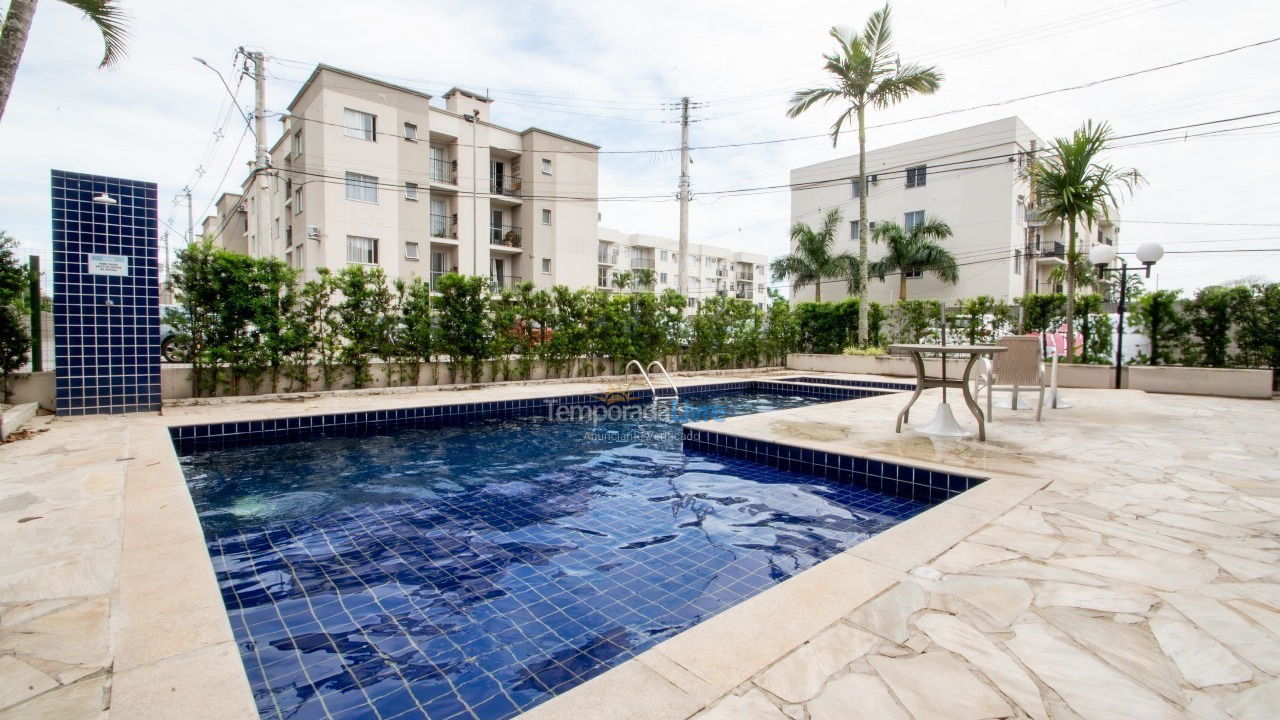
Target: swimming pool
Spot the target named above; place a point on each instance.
(474, 570)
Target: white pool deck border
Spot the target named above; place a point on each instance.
(172, 652)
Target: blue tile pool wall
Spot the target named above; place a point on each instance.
(875, 384)
(904, 481)
(195, 438)
(106, 327)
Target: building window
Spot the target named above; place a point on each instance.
(546, 166)
(410, 250)
(1017, 262)
(855, 185)
(360, 125)
(363, 250)
(855, 229)
(275, 227)
(915, 176)
(546, 216)
(662, 278)
(362, 187)
(913, 274)
(546, 266)
(288, 236)
(411, 191)
(297, 201)
(295, 144)
(411, 132)
(912, 219)
(664, 254)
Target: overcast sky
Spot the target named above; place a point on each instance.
(605, 72)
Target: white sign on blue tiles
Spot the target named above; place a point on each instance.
(117, 265)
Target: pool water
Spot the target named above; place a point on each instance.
(473, 572)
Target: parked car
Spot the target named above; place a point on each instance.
(169, 349)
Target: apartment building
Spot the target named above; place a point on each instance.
(370, 173)
(229, 223)
(973, 180)
(713, 270)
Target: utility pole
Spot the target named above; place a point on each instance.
(260, 159)
(683, 284)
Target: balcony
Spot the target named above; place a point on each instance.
(504, 282)
(507, 236)
(442, 171)
(743, 294)
(721, 271)
(1035, 218)
(607, 257)
(1054, 253)
(505, 185)
(443, 227)
(747, 276)
(638, 263)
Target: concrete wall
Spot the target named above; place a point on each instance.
(1223, 382)
(1218, 382)
(176, 382)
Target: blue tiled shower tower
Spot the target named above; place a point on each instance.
(106, 289)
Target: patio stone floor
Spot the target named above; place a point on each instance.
(1127, 565)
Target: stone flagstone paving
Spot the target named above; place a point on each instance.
(1143, 582)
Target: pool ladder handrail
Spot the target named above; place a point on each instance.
(653, 390)
(675, 394)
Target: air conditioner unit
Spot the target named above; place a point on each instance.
(873, 179)
(313, 232)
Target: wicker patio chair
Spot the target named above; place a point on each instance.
(1022, 366)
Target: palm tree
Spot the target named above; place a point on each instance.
(915, 250)
(623, 280)
(112, 21)
(643, 279)
(1070, 185)
(812, 262)
(867, 74)
(1084, 273)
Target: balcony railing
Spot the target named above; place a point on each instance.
(1034, 218)
(721, 272)
(642, 262)
(746, 276)
(607, 257)
(743, 294)
(442, 171)
(443, 226)
(1053, 250)
(505, 185)
(504, 282)
(505, 235)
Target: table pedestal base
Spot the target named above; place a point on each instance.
(943, 423)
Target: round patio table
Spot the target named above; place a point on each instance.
(944, 422)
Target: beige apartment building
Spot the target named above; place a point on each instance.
(971, 178)
(713, 270)
(370, 173)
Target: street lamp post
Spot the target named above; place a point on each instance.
(1102, 256)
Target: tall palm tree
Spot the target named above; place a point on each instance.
(1072, 185)
(867, 73)
(915, 250)
(813, 261)
(111, 19)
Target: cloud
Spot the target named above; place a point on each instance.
(605, 72)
